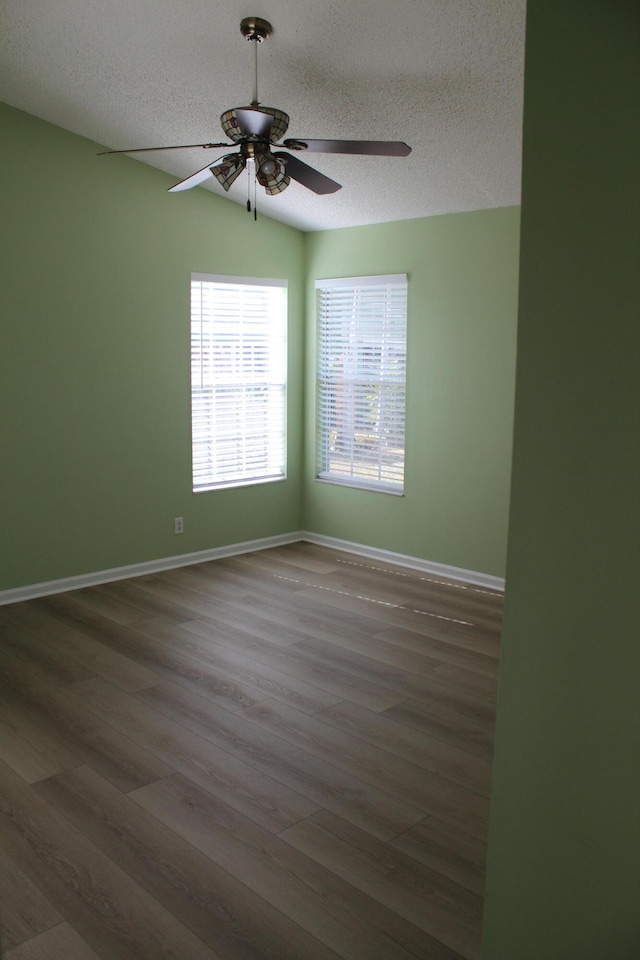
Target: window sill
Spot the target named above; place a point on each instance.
(232, 485)
(358, 485)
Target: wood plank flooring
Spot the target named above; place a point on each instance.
(280, 756)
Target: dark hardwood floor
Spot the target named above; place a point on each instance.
(283, 755)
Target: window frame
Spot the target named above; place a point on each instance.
(353, 315)
(225, 465)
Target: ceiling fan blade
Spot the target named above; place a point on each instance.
(187, 146)
(254, 123)
(374, 148)
(192, 181)
(224, 170)
(306, 175)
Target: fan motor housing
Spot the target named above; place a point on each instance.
(229, 123)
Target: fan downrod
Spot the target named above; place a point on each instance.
(256, 29)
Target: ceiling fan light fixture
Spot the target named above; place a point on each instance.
(277, 186)
(271, 175)
(227, 170)
(268, 166)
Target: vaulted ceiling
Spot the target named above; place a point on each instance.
(445, 76)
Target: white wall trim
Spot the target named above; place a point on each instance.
(402, 560)
(32, 591)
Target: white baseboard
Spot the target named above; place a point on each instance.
(34, 590)
(442, 570)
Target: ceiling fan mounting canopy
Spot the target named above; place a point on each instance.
(256, 129)
(255, 29)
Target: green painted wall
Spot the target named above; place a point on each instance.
(564, 857)
(95, 267)
(462, 306)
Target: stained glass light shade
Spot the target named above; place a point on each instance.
(227, 169)
(275, 182)
(231, 127)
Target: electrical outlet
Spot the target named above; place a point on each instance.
(178, 525)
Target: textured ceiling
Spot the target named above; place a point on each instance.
(443, 75)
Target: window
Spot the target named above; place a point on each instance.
(238, 380)
(362, 333)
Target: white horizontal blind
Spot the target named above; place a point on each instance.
(362, 335)
(238, 380)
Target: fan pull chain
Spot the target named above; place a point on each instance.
(250, 167)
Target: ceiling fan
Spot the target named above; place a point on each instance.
(257, 130)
